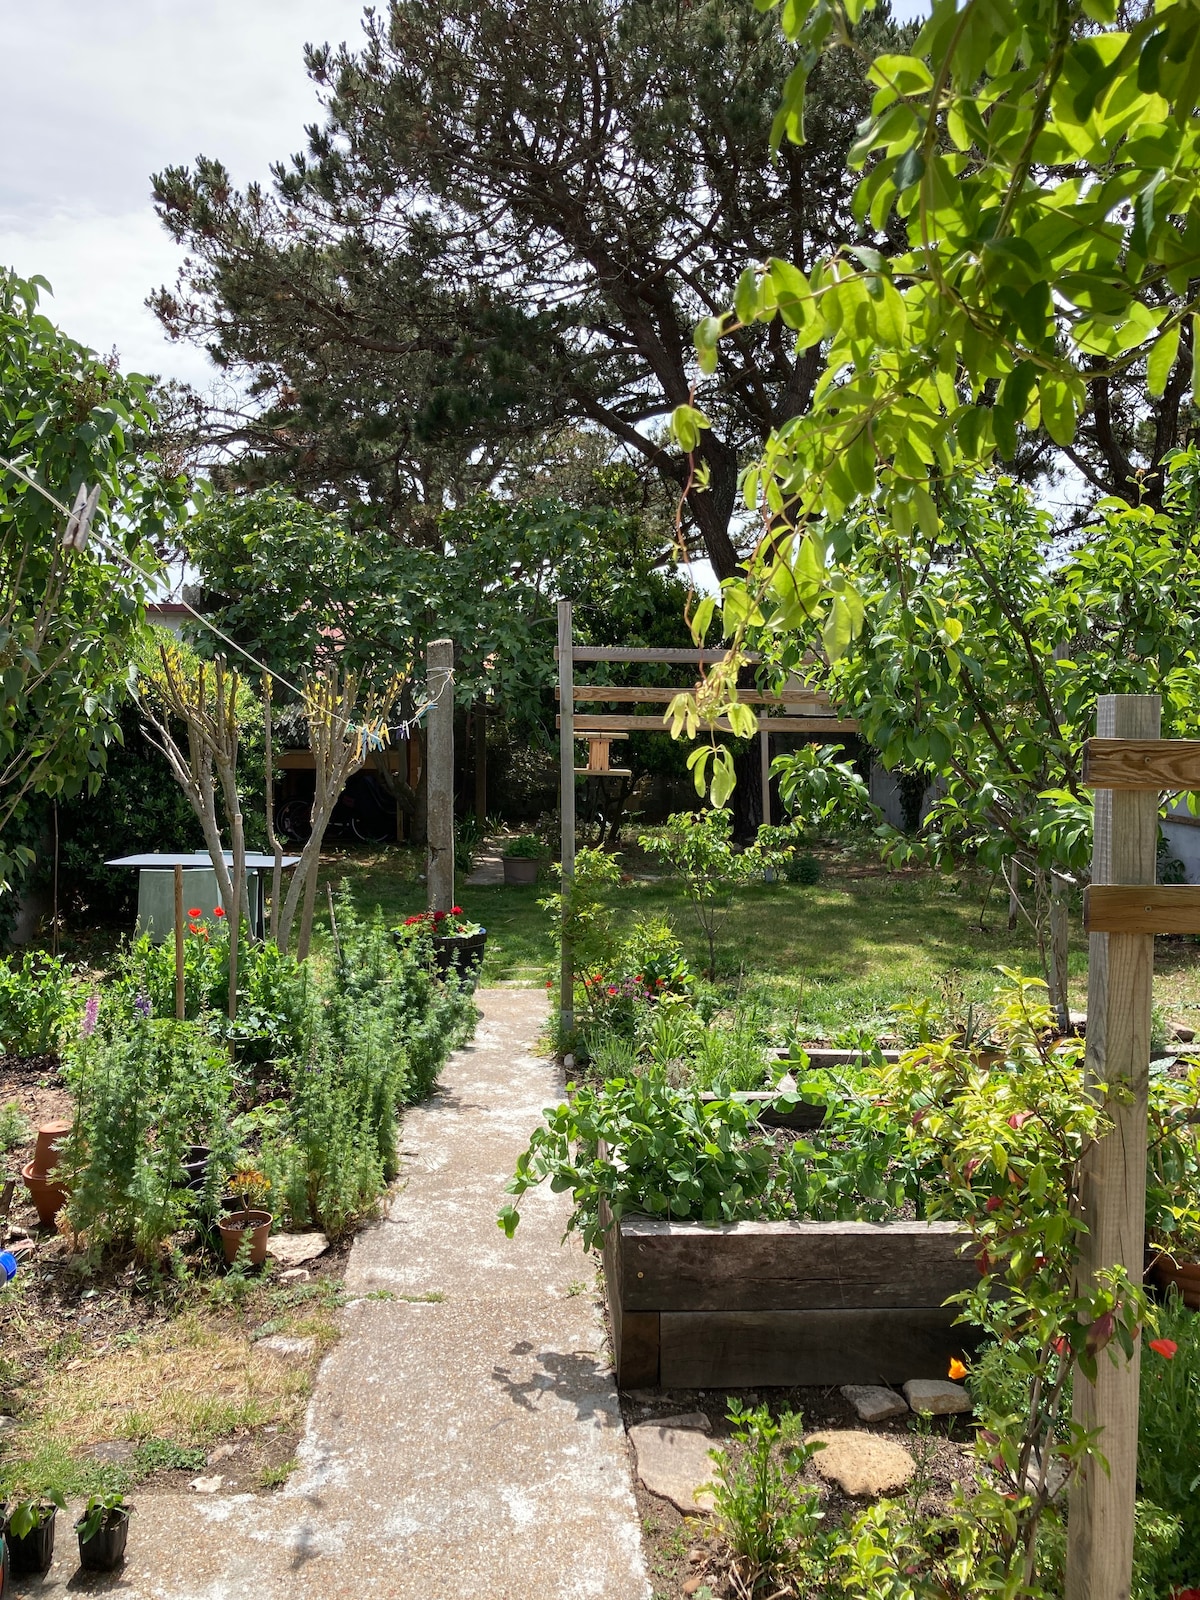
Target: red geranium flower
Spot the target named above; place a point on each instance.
(1164, 1347)
(456, 911)
(439, 916)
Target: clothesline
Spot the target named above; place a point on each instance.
(372, 736)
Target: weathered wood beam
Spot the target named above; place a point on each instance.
(1142, 908)
(664, 655)
(645, 694)
(1141, 764)
(603, 722)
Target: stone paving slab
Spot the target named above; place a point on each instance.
(467, 1445)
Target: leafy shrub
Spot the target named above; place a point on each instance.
(697, 846)
(14, 1129)
(145, 1090)
(1169, 1432)
(769, 1516)
(803, 869)
(37, 999)
(667, 1152)
(525, 847)
(378, 1041)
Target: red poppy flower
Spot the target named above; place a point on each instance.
(193, 911)
(218, 911)
(1165, 1348)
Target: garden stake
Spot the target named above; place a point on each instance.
(179, 943)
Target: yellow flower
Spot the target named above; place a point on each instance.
(957, 1370)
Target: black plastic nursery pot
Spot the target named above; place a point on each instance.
(461, 952)
(35, 1551)
(195, 1166)
(105, 1550)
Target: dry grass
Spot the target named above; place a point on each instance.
(192, 1381)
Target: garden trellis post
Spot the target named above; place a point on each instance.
(566, 790)
(439, 666)
(1113, 1181)
(805, 711)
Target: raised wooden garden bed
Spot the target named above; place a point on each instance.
(743, 1304)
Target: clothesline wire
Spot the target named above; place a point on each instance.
(369, 737)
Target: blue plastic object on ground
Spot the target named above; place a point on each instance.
(8, 1265)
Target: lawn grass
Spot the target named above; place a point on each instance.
(830, 960)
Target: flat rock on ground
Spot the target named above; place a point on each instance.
(294, 1249)
(936, 1395)
(874, 1403)
(672, 1459)
(862, 1463)
(467, 1446)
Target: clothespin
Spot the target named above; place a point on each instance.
(79, 523)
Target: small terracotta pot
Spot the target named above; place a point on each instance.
(1184, 1274)
(233, 1228)
(49, 1197)
(50, 1137)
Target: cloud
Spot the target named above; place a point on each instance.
(97, 97)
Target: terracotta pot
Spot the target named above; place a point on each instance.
(49, 1197)
(234, 1226)
(1185, 1275)
(520, 869)
(50, 1137)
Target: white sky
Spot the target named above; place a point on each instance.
(97, 95)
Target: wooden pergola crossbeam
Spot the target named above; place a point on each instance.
(609, 722)
(641, 694)
(664, 655)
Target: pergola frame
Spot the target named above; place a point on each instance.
(815, 714)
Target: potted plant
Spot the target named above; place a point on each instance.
(522, 859)
(251, 1220)
(456, 942)
(102, 1531)
(29, 1530)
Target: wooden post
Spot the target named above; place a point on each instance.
(764, 742)
(179, 997)
(1060, 943)
(566, 800)
(1113, 1186)
(439, 858)
(480, 764)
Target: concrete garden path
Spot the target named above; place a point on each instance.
(467, 1446)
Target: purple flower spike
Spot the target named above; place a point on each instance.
(142, 1005)
(90, 1012)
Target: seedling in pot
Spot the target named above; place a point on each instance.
(29, 1527)
(102, 1530)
